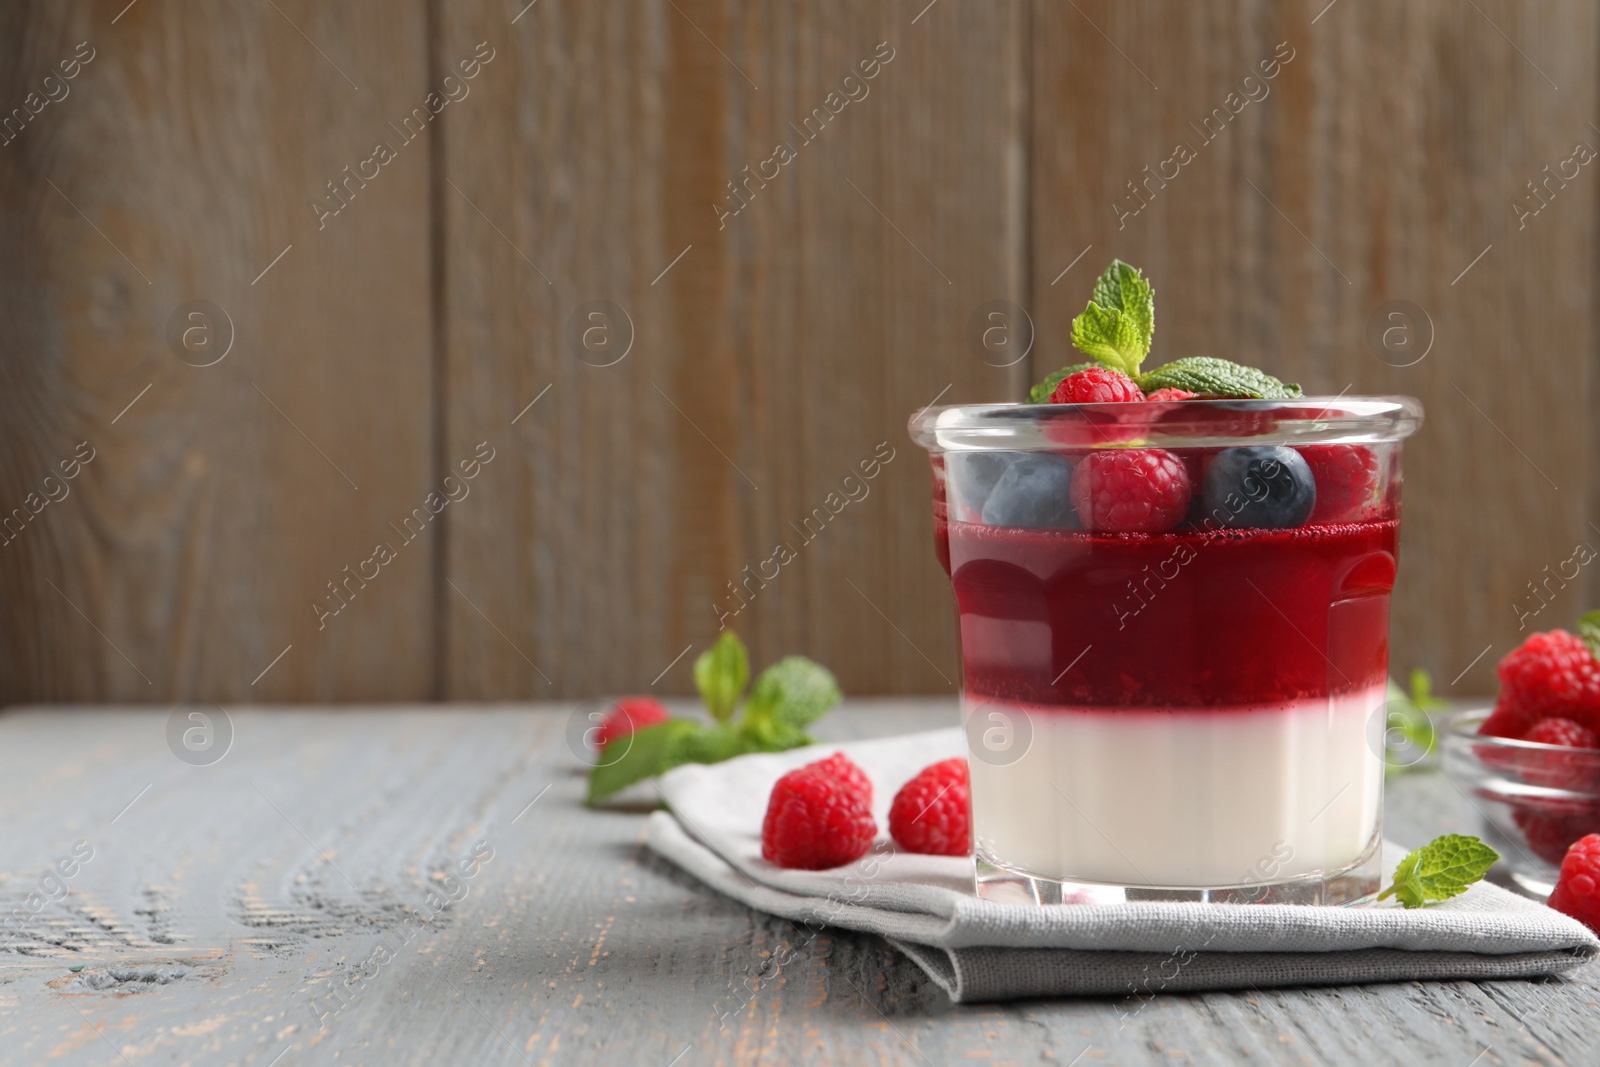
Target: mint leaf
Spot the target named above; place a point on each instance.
(1120, 321)
(1589, 630)
(774, 735)
(643, 754)
(1213, 377)
(789, 695)
(1111, 337)
(1123, 288)
(1403, 715)
(1422, 689)
(794, 691)
(1441, 869)
(711, 744)
(1040, 394)
(720, 673)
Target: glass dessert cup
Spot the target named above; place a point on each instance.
(1535, 799)
(1191, 712)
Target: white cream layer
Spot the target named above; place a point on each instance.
(1213, 797)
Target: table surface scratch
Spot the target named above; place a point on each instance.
(423, 885)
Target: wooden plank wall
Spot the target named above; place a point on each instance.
(563, 234)
(1377, 166)
(221, 499)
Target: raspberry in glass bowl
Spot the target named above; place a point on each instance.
(1173, 622)
(1531, 765)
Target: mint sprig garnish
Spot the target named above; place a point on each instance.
(1439, 870)
(1110, 337)
(1588, 629)
(1214, 377)
(1116, 331)
(1123, 288)
(786, 698)
(1117, 327)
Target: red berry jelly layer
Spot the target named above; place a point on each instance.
(1191, 618)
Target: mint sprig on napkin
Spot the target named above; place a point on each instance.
(787, 697)
(721, 673)
(1439, 870)
(1116, 331)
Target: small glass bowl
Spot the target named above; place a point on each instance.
(1535, 799)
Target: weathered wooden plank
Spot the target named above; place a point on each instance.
(1385, 161)
(780, 337)
(1377, 163)
(215, 910)
(180, 165)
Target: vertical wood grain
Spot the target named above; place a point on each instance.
(786, 345)
(1384, 158)
(772, 351)
(221, 499)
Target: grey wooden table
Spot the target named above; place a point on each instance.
(422, 885)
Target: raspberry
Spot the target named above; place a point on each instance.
(1143, 490)
(1552, 674)
(1171, 393)
(1549, 830)
(1577, 892)
(1347, 481)
(845, 770)
(1562, 732)
(1096, 385)
(932, 813)
(816, 821)
(630, 714)
(1572, 771)
(1505, 721)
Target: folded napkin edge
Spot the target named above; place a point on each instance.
(667, 837)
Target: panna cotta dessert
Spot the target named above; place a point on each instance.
(1172, 589)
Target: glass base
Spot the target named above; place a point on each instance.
(1355, 884)
(1531, 885)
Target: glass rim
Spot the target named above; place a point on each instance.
(1020, 427)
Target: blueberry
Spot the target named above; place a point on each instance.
(1033, 492)
(971, 476)
(1267, 486)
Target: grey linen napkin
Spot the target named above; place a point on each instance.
(977, 950)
